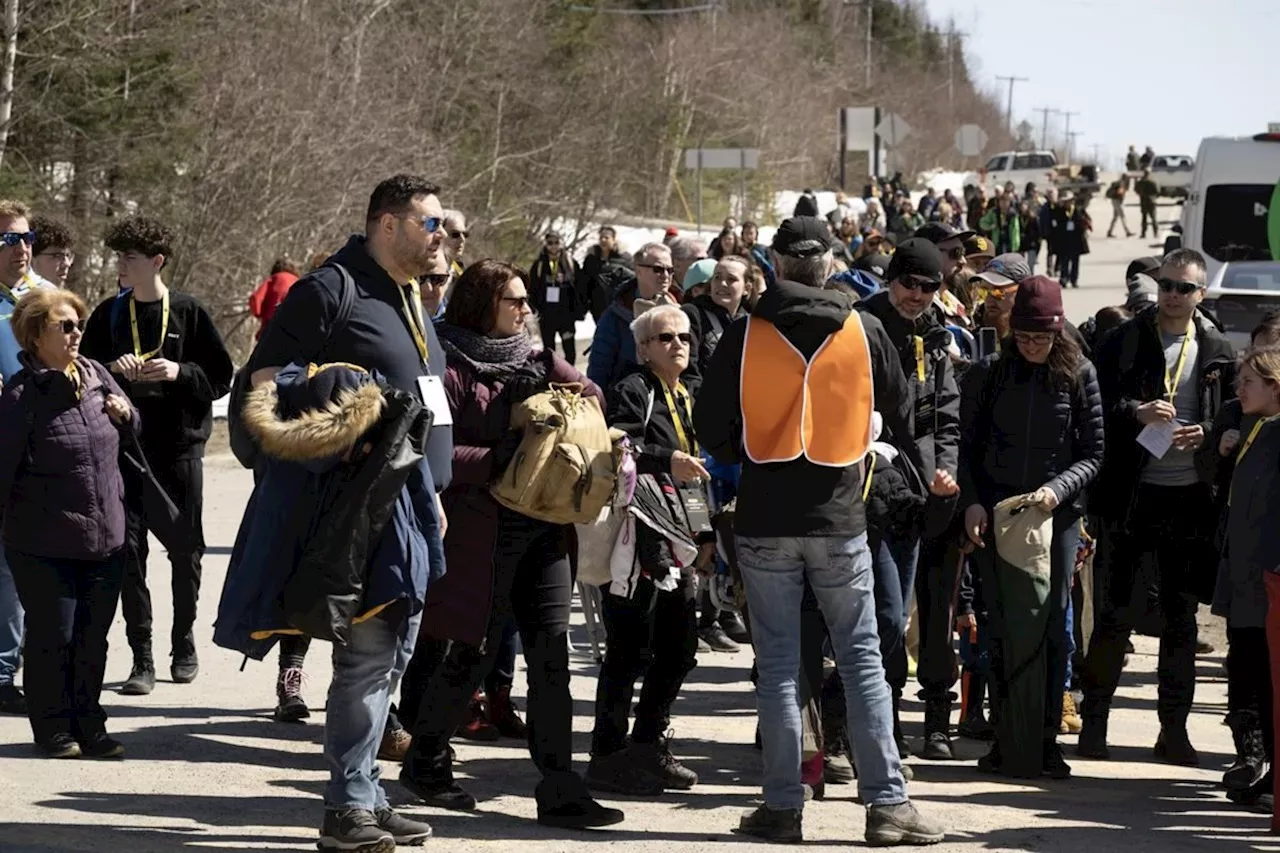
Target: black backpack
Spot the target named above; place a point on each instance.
(243, 444)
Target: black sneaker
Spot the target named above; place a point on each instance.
(12, 701)
(736, 629)
(142, 678)
(620, 773)
(446, 795)
(1174, 747)
(102, 745)
(354, 831)
(715, 637)
(406, 831)
(782, 826)
(289, 705)
(59, 746)
(1054, 764)
(976, 727)
(581, 813)
(656, 758)
(937, 747)
(184, 668)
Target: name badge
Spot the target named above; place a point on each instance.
(694, 498)
(431, 390)
(1071, 226)
(553, 294)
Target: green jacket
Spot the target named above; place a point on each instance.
(1008, 238)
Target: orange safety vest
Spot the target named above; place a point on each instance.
(820, 409)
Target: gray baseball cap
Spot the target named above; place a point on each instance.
(1004, 270)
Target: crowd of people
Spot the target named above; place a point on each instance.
(866, 430)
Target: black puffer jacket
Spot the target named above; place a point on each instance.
(1020, 429)
(707, 323)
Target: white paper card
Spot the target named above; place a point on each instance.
(431, 389)
(1157, 438)
(553, 294)
(1071, 226)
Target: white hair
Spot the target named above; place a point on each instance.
(685, 248)
(648, 249)
(813, 271)
(642, 326)
(455, 216)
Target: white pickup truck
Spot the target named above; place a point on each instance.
(1172, 174)
(1021, 167)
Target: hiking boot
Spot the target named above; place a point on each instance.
(184, 669)
(657, 759)
(59, 746)
(781, 826)
(1251, 758)
(1071, 722)
(889, 826)
(102, 745)
(1260, 794)
(404, 830)
(354, 831)
(12, 701)
(395, 745)
(1173, 746)
(289, 705)
(1093, 731)
(937, 719)
(505, 717)
(717, 639)
(444, 794)
(620, 773)
(837, 768)
(736, 629)
(142, 678)
(1054, 764)
(478, 726)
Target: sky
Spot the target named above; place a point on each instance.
(1164, 73)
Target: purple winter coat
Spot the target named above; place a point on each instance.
(458, 604)
(60, 484)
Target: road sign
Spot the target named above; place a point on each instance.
(859, 128)
(893, 129)
(970, 140)
(721, 158)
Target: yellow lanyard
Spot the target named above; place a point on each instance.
(871, 469)
(414, 318)
(685, 444)
(1171, 382)
(919, 357)
(164, 326)
(1244, 448)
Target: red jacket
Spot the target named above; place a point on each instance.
(267, 298)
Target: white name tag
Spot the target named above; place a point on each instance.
(1071, 226)
(431, 390)
(553, 294)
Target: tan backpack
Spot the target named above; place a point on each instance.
(566, 466)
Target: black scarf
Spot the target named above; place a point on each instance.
(490, 358)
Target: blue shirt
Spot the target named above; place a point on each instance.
(9, 349)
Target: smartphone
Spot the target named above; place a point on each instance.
(986, 341)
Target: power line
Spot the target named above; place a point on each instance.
(1045, 112)
(1009, 113)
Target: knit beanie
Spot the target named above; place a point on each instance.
(1037, 307)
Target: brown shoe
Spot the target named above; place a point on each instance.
(395, 744)
(1071, 722)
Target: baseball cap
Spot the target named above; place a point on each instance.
(699, 273)
(802, 237)
(941, 232)
(916, 256)
(977, 246)
(1146, 265)
(1004, 270)
(873, 264)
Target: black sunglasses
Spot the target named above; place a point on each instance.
(671, 337)
(13, 238)
(437, 279)
(456, 234)
(69, 326)
(927, 285)
(659, 269)
(1186, 288)
(521, 302)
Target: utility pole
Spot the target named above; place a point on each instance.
(1009, 113)
(951, 66)
(870, 18)
(1071, 144)
(1067, 114)
(1045, 112)
(1096, 149)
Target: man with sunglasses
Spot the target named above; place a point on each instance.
(1164, 375)
(455, 240)
(169, 358)
(913, 322)
(613, 350)
(552, 295)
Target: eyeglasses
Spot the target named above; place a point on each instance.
(519, 302)
(68, 326)
(13, 238)
(927, 285)
(659, 269)
(64, 257)
(455, 235)
(672, 337)
(430, 224)
(437, 280)
(1036, 339)
(1186, 288)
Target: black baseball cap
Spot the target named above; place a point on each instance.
(1148, 265)
(916, 256)
(941, 232)
(876, 264)
(802, 237)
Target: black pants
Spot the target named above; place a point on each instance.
(1249, 679)
(567, 342)
(1169, 522)
(293, 651)
(533, 583)
(70, 605)
(652, 634)
(1149, 213)
(936, 582)
(183, 480)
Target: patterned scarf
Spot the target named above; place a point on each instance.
(490, 358)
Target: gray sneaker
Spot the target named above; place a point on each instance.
(354, 831)
(405, 830)
(889, 826)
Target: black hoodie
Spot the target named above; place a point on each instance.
(796, 498)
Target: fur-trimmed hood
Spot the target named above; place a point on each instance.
(313, 413)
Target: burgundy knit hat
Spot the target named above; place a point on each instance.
(1037, 307)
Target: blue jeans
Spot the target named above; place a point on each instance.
(839, 571)
(894, 563)
(364, 672)
(10, 623)
(1071, 632)
(1032, 256)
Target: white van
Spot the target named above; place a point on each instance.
(1232, 212)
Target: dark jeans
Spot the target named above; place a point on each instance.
(183, 480)
(532, 583)
(567, 341)
(1069, 270)
(70, 605)
(1169, 522)
(894, 564)
(1149, 213)
(503, 673)
(935, 609)
(652, 634)
(1249, 679)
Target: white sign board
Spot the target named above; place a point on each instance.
(893, 129)
(970, 140)
(859, 128)
(721, 158)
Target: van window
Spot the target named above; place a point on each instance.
(997, 164)
(1033, 161)
(1235, 222)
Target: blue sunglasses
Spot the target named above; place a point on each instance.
(430, 224)
(13, 238)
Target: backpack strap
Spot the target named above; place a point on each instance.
(346, 301)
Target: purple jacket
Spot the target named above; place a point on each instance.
(60, 484)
